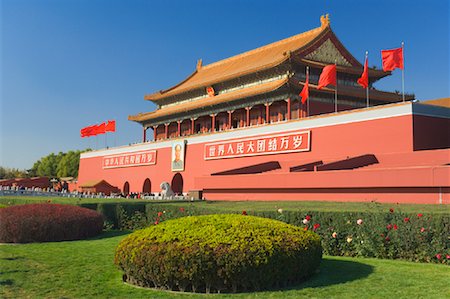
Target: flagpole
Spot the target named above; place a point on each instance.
(335, 90)
(307, 100)
(367, 88)
(403, 72)
(106, 139)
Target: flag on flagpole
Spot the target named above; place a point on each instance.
(364, 79)
(328, 76)
(87, 131)
(392, 59)
(100, 129)
(305, 91)
(110, 126)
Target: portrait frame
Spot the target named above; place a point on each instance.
(178, 155)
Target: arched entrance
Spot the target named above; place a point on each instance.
(126, 188)
(147, 186)
(177, 183)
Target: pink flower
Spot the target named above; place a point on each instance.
(406, 219)
(422, 229)
(308, 217)
(387, 239)
(419, 215)
(438, 256)
(305, 221)
(359, 221)
(395, 227)
(156, 222)
(160, 214)
(181, 209)
(244, 213)
(447, 256)
(316, 226)
(389, 226)
(334, 235)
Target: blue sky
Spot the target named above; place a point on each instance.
(69, 64)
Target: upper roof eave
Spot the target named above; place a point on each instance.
(209, 101)
(258, 59)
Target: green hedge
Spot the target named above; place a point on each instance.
(382, 234)
(222, 253)
(423, 239)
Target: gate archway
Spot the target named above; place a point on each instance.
(126, 188)
(177, 183)
(147, 187)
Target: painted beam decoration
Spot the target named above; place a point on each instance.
(297, 141)
(140, 158)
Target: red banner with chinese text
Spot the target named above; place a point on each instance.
(298, 141)
(130, 159)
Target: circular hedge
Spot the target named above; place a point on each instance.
(48, 222)
(219, 253)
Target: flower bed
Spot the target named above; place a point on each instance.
(219, 253)
(48, 222)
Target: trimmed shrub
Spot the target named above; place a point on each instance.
(48, 222)
(219, 253)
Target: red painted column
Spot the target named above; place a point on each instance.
(179, 128)
(267, 113)
(288, 109)
(229, 119)
(300, 108)
(247, 120)
(166, 130)
(144, 135)
(154, 132)
(213, 122)
(192, 126)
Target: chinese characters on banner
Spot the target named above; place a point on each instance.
(297, 141)
(130, 159)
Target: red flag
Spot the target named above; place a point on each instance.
(110, 126)
(392, 59)
(305, 91)
(364, 79)
(328, 76)
(87, 131)
(99, 129)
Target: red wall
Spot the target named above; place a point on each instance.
(386, 135)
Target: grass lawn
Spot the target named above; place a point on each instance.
(233, 206)
(85, 269)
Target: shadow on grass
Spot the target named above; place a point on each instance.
(111, 234)
(6, 282)
(14, 271)
(334, 272)
(12, 258)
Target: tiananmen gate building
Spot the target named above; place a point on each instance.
(236, 130)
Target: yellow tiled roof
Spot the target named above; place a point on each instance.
(242, 64)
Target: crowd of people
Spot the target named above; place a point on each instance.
(64, 192)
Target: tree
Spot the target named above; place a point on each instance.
(60, 165)
(11, 173)
(68, 166)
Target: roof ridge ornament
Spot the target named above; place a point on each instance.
(324, 20)
(199, 64)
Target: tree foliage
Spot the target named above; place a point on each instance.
(59, 165)
(11, 173)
